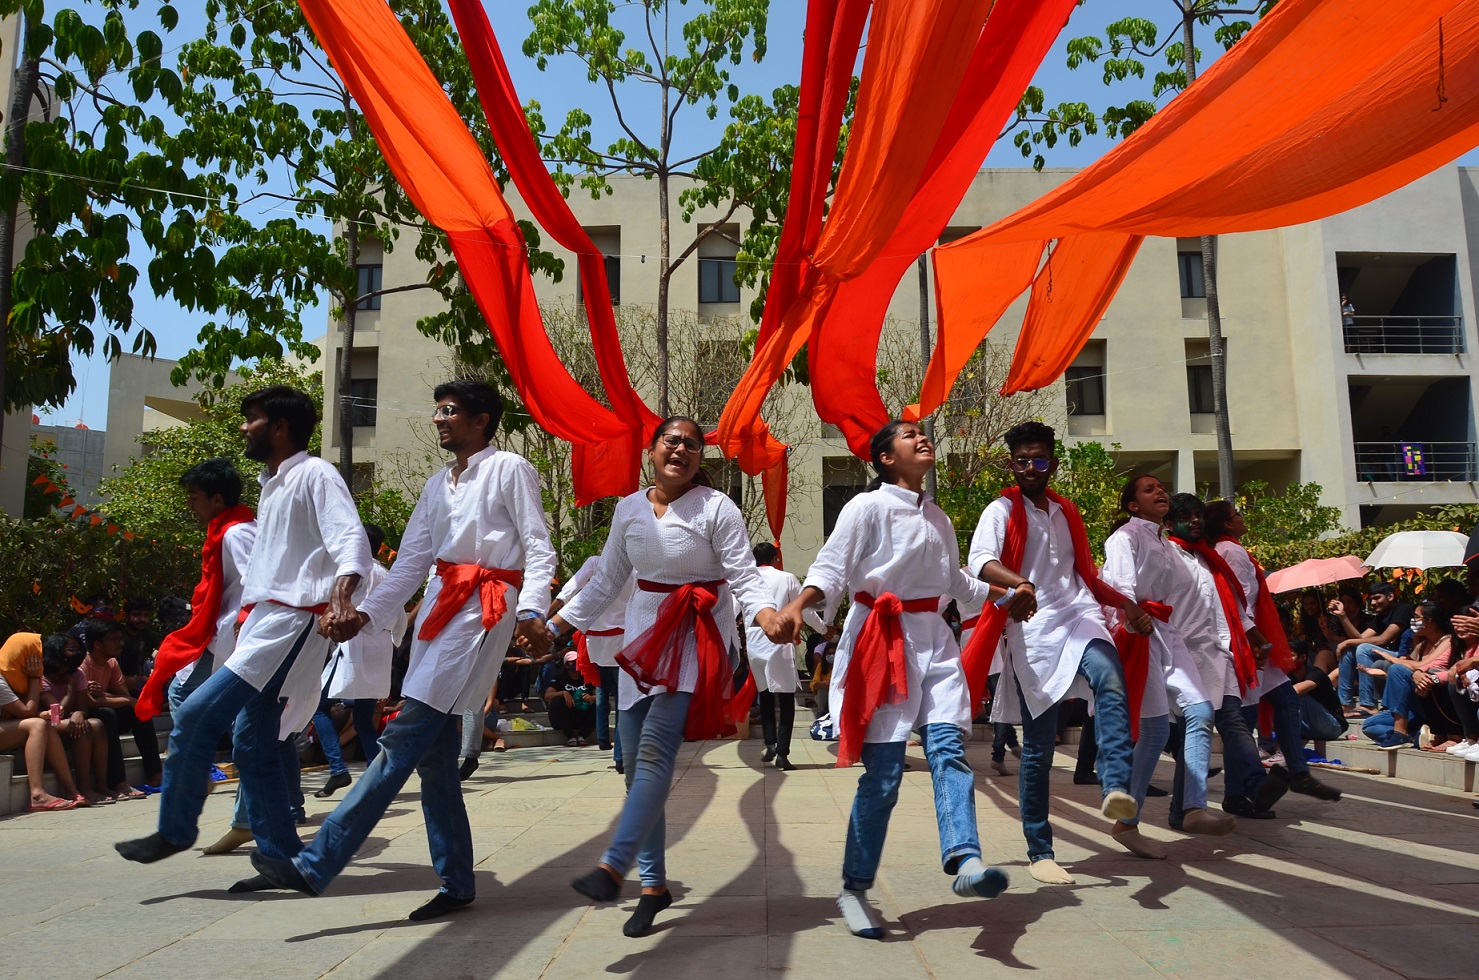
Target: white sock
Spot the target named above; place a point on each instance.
(861, 918)
(975, 879)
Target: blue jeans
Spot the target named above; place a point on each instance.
(293, 768)
(423, 740)
(1101, 668)
(328, 738)
(1316, 722)
(878, 791)
(1189, 789)
(1353, 681)
(1401, 695)
(179, 690)
(362, 710)
(606, 696)
(1378, 726)
(1003, 737)
(652, 731)
(222, 701)
(1288, 725)
(1153, 735)
(1242, 765)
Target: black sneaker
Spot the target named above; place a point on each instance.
(466, 769)
(1241, 806)
(1306, 783)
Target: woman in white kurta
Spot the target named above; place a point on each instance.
(682, 541)
(1142, 565)
(894, 552)
(603, 641)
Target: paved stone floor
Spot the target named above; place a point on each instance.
(1385, 883)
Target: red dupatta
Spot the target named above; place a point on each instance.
(1266, 614)
(875, 670)
(1230, 592)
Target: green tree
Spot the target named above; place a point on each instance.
(1296, 514)
(41, 499)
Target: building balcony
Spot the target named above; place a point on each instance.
(1405, 335)
(1414, 462)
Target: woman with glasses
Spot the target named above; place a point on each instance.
(1413, 680)
(898, 668)
(689, 549)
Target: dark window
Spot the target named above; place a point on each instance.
(613, 281)
(716, 281)
(834, 498)
(370, 278)
(1190, 266)
(1085, 390)
(1199, 388)
(363, 394)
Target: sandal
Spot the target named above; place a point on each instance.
(57, 803)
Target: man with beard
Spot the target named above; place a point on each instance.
(309, 555)
(479, 525)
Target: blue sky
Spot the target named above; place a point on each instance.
(563, 86)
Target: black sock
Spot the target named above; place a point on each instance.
(441, 903)
(147, 850)
(767, 717)
(597, 885)
(647, 908)
(786, 709)
(256, 883)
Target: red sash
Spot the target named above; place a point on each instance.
(1266, 616)
(1230, 592)
(588, 670)
(875, 671)
(186, 644)
(458, 583)
(978, 653)
(1134, 651)
(655, 659)
(970, 624)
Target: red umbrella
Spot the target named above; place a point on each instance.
(1315, 572)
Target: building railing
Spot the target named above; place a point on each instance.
(1414, 461)
(1405, 335)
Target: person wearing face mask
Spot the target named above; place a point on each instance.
(1057, 646)
(1357, 688)
(689, 549)
(1413, 680)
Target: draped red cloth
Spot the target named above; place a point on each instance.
(875, 670)
(981, 649)
(1134, 651)
(655, 659)
(439, 165)
(186, 644)
(1266, 137)
(458, 584)
(1266, 615)
(589, 672)
(1230, 594)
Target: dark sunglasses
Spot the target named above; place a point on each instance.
(1039, 463)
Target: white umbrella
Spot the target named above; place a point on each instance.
(1419, 549)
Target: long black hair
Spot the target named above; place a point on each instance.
(1127, 496)
(883, 442)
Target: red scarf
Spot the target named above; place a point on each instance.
(1134, 651)
(1266, 616)
(979, 651)
(458, 584)
(588, 670)
(655, 659)
(1230, 591)
(186, 644)
(875, 671)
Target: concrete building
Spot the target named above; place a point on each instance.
(141, 399)
(1377, 410)
(80, 450)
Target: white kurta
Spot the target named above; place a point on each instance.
(894, 540)
(700, 538)
(603, 649)
(1197, 613)
(360, 668)
(774, 664)
(1043, 653)
(1238, 559)
(1142, 565)
(972, 609)
(490, 515)
(236, 554)
(308, 534)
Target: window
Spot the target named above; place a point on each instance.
(1085, 390)
(834, 498)
(1199, 388)
(613, 281)
(716, 281)
(363, 396)
(1190, 266)
(369, 280)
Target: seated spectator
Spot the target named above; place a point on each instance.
(23, 725)
(109, 701)
(570, 700)
(139, 643)
(1383, 634)
(1415, 680)
(63, 685)
(1311, 627)
(1320, 711)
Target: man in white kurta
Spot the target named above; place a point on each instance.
(480, 519)
(309, 555)
(773, 665)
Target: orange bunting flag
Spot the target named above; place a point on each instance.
(95, 520)
(79, 510)
(43, 478)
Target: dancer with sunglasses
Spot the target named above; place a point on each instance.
(689, 549)
(1057, 643)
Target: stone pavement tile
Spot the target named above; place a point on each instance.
(1374, 905)
(662, 954)
(838, 953)
(267, 957)
(1411, 950)
(1248, 954)
(438, 952)
(1014, 911)
(960, 952)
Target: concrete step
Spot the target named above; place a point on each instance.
(15, 792)
(1433, 768)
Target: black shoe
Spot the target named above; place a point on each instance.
(1086, 779)
(783, 764)
(1155, 791)
(256, 883)
(441, 903)
(147, 850)
(1306, 783)
(620, 769)
(337, 781)
(647, 908)
(597, 885)
(1214, 772)
(1241, 806)
(604, 746)
(300, 817)
(466, 769)
(769, 752)
(1275, 785)
(282, 873)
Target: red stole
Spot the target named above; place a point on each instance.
(1134, 651)
(458, 584)
(1266, 616)
(1230, 591)
(978, 653)
(588, 670)
(186, 644)
(875, 671)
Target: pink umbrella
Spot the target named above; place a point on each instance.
(1315, 572)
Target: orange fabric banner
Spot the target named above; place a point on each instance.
(1267, 137)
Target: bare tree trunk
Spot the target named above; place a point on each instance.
(1226, 478)
(26, 77)
(924, 361)
(664, 234)
(346, 353)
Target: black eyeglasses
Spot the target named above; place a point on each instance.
(673, 441)
(1039, 463)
